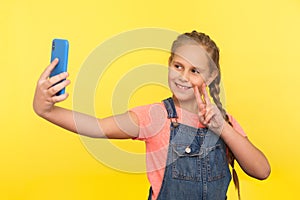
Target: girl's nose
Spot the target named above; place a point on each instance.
(185, 75)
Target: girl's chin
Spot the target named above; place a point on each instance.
(183, 98)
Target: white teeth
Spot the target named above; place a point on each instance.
(182, 87)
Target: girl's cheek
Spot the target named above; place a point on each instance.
(197, 81)
(171, 73)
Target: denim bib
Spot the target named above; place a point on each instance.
(196, 167)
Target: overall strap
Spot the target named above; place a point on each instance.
(170, 107)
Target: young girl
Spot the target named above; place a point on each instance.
(189, 140)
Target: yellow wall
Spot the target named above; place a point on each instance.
(259, 42)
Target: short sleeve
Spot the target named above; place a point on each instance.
(151, 120)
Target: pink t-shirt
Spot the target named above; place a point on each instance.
(155, 131)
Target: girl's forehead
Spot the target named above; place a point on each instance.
(193, 54)
(197, 56)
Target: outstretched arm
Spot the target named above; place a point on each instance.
(119, 127)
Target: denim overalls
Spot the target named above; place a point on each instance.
(196, 165)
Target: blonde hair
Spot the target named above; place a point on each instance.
(214, 87)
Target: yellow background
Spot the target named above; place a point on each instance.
(259, 42)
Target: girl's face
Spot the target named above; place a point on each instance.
(186, 69)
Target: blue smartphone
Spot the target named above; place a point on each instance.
(60, 50)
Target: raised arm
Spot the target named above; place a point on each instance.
(250, 158)
(118, 127)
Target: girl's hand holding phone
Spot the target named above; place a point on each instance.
(209, 114)
(45, 94)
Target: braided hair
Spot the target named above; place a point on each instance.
(212, 50)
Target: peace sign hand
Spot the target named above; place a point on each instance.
(209, 114)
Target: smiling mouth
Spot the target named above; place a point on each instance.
(182, 86)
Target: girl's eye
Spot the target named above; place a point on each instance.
(195, 71)
(177, 66)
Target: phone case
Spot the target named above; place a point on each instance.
(60, 50)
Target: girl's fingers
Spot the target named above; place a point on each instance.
(200, 103)
(55, 79)
(205, 94)
(201, 113)
(49, 69)
(56, 99)
(59, 77)
(201, 118)
(209, 115)
(58, 87)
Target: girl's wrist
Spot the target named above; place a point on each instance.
(47, 114)
(225, 129)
